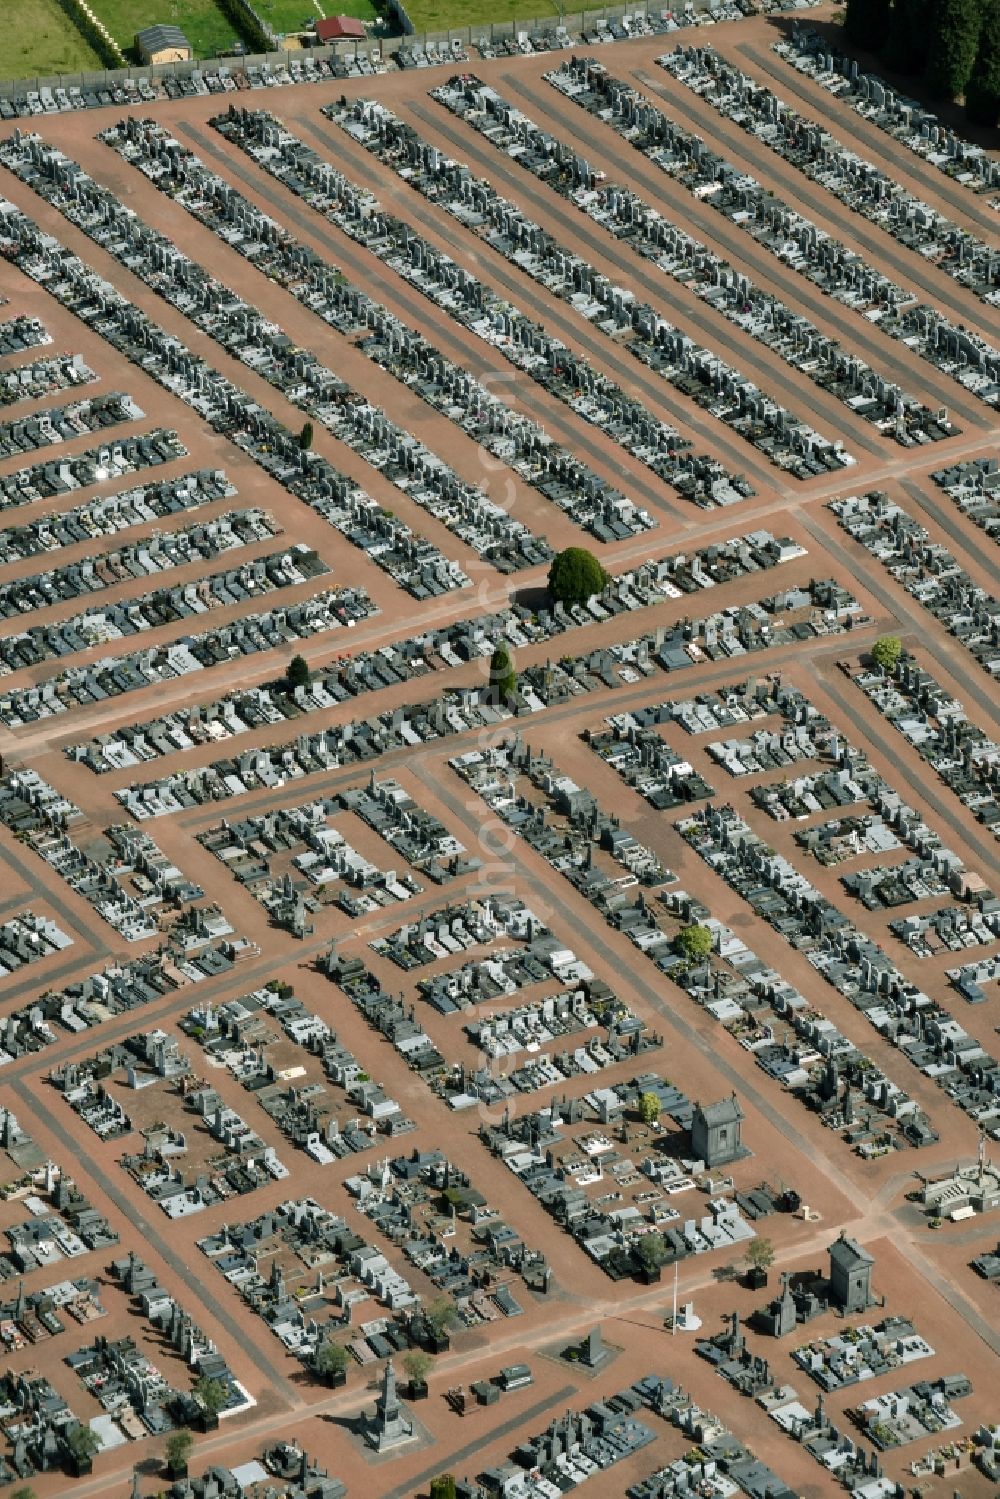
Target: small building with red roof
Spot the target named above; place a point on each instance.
(340, 28)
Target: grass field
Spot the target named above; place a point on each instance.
(442, 15)
(297, 15)
(360, 8)
(203, 22)
(41, 40)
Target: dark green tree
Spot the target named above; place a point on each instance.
(306, 436)
(443, 1487)
(575, 575)
(298, 674)
(866, 24)
(982, 93)
(953, 42)
(503, 677)
(906, 49)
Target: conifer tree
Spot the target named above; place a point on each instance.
(953, 42)
(866, 24)
(906, 47)
(982, 93)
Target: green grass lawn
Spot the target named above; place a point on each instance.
(40, 39)
(203, 22)
(360, 8)
(444, 15)
(298, 15)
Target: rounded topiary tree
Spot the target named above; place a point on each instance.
(575, 576)
(503, 677)
(886, 652)
(298, 674)
(694, 942)
(649, 1107)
